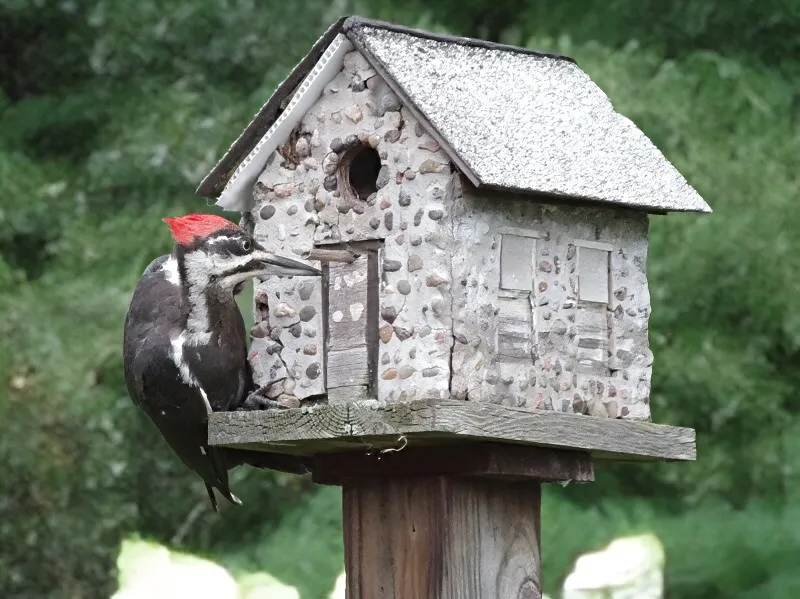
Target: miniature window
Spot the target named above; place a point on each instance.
(593, 272)
(362, 170)
(516, 262)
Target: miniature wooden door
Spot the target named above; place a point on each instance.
(350, 311)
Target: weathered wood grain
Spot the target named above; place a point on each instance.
(329, 255)
(372, 422)
(515, 328)
(348, 367)
(347, 305)
(442, 537)
(485, 460)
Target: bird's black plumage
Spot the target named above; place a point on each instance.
(157, 317)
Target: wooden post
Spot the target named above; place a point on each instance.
(442, 537)
(453, 522)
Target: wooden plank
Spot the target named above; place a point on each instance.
(515, 328)
(326, 255)
(348, 367)
(453, 419)
(593, 339)
(347, 305)
(485, 460)
(442, 537)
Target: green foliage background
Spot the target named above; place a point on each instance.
(111, 112)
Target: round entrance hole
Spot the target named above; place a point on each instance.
(361, 171)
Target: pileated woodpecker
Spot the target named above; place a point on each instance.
(185, 351)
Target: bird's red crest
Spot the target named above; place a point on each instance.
(185, 229)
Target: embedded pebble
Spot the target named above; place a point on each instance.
(284, 190)
(354, 112)
(283, 310)
(330, 163)
(313, 370)
(383, 177)
(414, 263)
(267, 212)
(302, 147)
(404, 287)
(402, 334)
(431, 166)
(392, 265)
(390, 103)
(434, 280)
(307, 313)
(406, 371)
(305, 290)
(388, 313)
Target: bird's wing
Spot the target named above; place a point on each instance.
(179, 412)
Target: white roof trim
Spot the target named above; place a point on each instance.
(238, 193)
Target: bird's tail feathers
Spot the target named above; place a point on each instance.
(212, 497)
(220, 467)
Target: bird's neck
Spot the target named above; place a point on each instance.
(207, 303)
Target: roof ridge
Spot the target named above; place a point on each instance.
(356, 21)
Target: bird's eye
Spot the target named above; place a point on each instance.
(246, 245)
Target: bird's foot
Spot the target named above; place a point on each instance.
(256, 401)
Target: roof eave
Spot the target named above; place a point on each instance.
(214, 183)
(550, 197)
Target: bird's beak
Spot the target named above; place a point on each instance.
(278, 265)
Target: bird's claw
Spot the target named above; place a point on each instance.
(256, 401)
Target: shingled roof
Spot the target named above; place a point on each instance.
(510, 118)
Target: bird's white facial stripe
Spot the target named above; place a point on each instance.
(198, 274)
(220, 239)
(170, 270)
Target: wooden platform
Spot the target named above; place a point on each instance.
(374, 426)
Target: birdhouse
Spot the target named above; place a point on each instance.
(480, 214)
